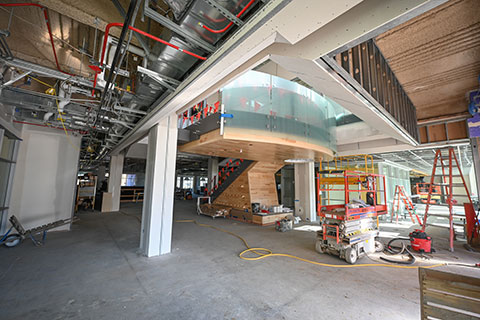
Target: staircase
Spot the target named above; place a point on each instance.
(227, 175)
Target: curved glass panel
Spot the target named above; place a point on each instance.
(285, 109)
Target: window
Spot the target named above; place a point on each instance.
(187, 182)
(129, 180)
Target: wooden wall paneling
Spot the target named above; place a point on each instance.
(261, 181)
(457, 130)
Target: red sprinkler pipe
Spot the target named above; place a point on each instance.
(118, 24)
(231, 23)
(46, 22)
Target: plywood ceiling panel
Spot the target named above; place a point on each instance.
(246, 144)
(436, 57)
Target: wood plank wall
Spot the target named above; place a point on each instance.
(256, 184)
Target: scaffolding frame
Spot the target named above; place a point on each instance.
(348, 179)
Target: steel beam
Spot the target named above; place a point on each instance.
(164, 21)
(225, 12)
(165, 81)
(47, 72)
(15, 79)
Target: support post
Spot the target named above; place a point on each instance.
(305, 191)
(475, 142)
(212, 172)
(115, 180)
(157, 214)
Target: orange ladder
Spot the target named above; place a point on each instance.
(450, 163)
(401, 195)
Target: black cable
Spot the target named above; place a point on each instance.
(126, 24)
(116, 56)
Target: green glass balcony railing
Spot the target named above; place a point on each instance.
(281, 109)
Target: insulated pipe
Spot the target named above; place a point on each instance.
(47, 116)
(118, 24)
(46, 22)
(231, 23)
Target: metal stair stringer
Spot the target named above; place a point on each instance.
(230, 178)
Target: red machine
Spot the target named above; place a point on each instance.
(420, 241)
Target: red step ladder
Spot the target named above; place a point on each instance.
(401, 195)
(448, 163)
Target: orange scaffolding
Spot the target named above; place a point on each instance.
(343, 180)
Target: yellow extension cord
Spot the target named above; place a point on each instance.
(263, 253)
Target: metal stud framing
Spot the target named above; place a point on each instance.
(368, 67)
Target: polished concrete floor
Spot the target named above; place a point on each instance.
(95, 272)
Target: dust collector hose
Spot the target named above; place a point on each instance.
(398, 250)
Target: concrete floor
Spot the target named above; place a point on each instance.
(95, 272)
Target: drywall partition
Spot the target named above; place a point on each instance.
(45, 178)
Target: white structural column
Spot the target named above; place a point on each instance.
(115, 179)
(305, 191)
(157, 215)
(212, 171)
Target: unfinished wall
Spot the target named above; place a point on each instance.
(45, 178)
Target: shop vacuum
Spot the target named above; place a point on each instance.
(420, 241)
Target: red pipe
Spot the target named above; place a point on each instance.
(47, 23)
(118, 24)
(43, 125)
(231, 23)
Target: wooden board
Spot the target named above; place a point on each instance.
(445, 295)
(262, 185)
(269, 219)
(255, 145)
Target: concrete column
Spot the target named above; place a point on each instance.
(115, 179)
(287, 187)
(101, 175)
(212, 171)
(305, 191)
(157, 215)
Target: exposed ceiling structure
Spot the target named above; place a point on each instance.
(191, 164)
(422, 159)
(436, 57)
(165, 42)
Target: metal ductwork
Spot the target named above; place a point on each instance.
(192, 30)
(167, 67)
